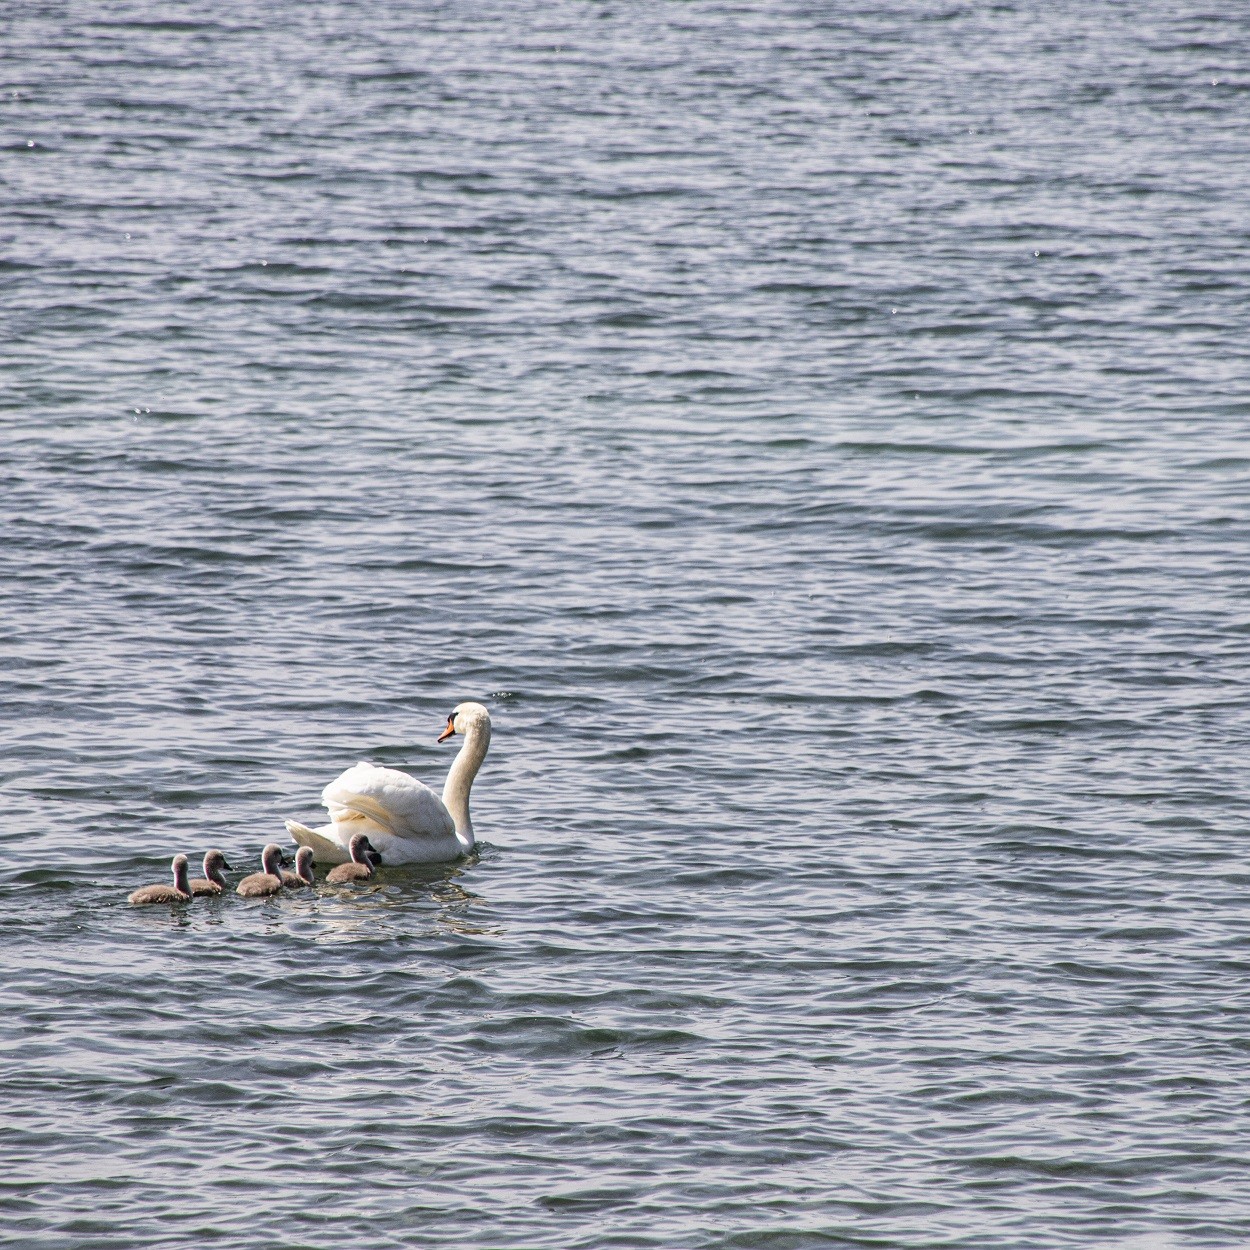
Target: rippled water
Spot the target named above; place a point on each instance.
(818, 433)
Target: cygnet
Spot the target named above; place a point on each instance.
(179, 892)
(212, 882)
(261, 884)
(361, 867)
(303, 874)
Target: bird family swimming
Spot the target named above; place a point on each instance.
(407, 823)
(377, 816)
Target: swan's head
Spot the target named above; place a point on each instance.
(464, 717)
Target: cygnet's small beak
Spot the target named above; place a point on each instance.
(226, 866)
(451, 729)
(374, 858)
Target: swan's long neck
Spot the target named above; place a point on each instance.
(460, 780)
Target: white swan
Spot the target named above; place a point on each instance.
(406, 821)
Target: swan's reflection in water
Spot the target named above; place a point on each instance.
(389, 904)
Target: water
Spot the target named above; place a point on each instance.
(817, 434)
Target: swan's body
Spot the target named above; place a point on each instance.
(406, 822)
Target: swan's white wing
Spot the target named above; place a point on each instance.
(394, 801)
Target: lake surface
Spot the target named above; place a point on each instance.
(818, 434)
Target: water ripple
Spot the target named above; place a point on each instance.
(818, 437)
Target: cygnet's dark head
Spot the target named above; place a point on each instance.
(271, 859)
(214, 863)
(181, 881)
(304, 863)
(362, 850)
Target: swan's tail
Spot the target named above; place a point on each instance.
(324, 850)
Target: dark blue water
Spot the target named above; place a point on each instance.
(819, 435)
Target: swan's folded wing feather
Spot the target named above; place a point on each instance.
(348, 805)
(394, 801)
(324, 851)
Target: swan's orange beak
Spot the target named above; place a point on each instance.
(451, 729)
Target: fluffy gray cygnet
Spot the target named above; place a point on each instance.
(261, 884)
(361, 867)
(179, 892)
(303, 874)
(212, 882)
